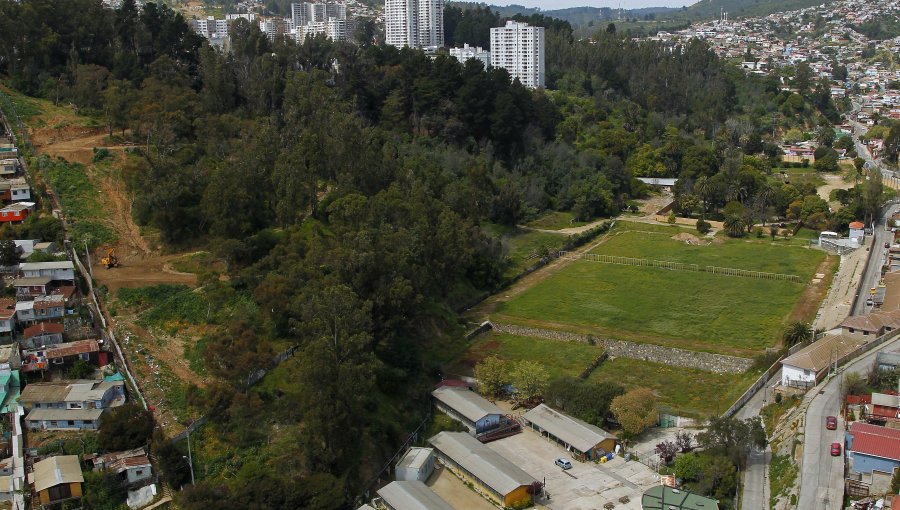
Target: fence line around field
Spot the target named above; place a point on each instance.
(680, 266)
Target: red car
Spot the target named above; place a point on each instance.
(830, 422)
(835, 449)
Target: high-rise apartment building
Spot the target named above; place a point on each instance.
(467, 52)
(329, 18)
(519, 48)
(414, 23)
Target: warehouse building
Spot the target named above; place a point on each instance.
(490, 473)
(469, 408)
(583, 440)
(413, 495)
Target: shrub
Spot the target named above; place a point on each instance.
(703, 226)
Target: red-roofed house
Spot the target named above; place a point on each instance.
(42, 334)
(873, 448)
(883, 407)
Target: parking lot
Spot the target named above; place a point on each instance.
(587, 486)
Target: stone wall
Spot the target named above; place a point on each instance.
(718, 363)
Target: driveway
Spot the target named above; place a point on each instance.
(587, 486)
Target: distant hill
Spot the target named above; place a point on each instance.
(702, 10)
(577, 16)
(711, 9)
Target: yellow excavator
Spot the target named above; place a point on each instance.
(110, 260)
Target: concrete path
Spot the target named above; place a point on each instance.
(756, 482)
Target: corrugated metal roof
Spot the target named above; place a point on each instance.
(55, 471)
(34, 266)
(413, 495)
(875, 441)
(662, 497)
(882, 399)
(493, 469)
(64, 414)
(819, 354)
(415, 458)
(573, 431)
(466, 402)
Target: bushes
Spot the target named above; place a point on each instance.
(703, 226)
(125, 427)
(166, 303)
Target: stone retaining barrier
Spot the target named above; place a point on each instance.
(717, 363)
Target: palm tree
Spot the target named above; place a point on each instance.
(797, 332)
(734, 226)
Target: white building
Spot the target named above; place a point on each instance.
(333, 28)
(211, 27)
(416, 465)
(519, 48)
(414, 23)
(467, 52)
(304, 13)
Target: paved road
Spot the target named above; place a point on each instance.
(872, 275)
(756, 485)
(821, 482)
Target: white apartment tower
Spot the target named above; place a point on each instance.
(414, 23)
(519, 48)
(467, 52)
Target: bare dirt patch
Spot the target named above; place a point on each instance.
(137, 270)
(691, 239)
(815, 293)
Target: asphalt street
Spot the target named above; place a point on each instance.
(822, 475)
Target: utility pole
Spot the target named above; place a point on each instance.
(190, 459)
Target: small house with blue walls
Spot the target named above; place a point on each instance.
(872, 448)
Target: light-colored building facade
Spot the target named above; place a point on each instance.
(469, 52)
(414, 23)
(519, 48)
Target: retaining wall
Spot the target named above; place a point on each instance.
(717, 363)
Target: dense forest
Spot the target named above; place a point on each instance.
(348, 188)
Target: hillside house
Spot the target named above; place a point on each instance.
(467, 407)
(17, 212)
(10, 359)
(8, 166)
(871, 325)
(132, 470)
(14, 190)
(63, 271)
(803, 368)
(42, 308)
(77, 394)
(411, 495)
(873, 451)
(7, 316)
(64, 354)
(884, 407)
(488, 472)
(55, 480)
(30, 288)
(42, 334)
(585, 441)
(101, 462)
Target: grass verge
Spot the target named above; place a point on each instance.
(687, 391)
(782, 474)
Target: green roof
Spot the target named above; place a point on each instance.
(9, 391)
(663, 497)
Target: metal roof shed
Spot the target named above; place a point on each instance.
(413, 495)
(469, 408)
(483, 467)
(590, 441)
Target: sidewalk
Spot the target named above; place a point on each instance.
(839, 301)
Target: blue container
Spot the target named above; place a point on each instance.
(609, 456)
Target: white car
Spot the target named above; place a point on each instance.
(563, 463)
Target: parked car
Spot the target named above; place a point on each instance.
(887, 245)
(835, 449)
(830, 422)
(563, 463)
(870, 302)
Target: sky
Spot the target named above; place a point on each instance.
(549, 5)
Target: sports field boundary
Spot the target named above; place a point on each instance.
(679, 266)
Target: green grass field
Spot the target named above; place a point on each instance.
(697, 311)
(688, 391)
(751, 254)
(559, 358)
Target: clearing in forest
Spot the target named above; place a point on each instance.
(691, 310)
